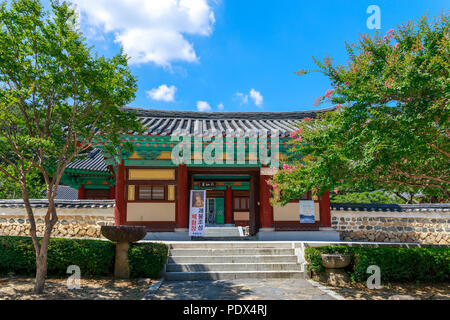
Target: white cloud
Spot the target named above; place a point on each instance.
(257, 97)
(242, 97)
(220, 106)
(203, 106)
(163, 93)
(151, 30)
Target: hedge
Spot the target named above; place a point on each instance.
(396, 264)
(94, 257)
(147, 259)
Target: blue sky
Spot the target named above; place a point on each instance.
(198, 54)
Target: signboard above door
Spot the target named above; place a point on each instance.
(207, 184)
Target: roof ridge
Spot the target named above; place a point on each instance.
(253, 115)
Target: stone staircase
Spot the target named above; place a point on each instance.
(232, 260)
(224, 233)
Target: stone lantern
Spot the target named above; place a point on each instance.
(334, 266)
(123, 236)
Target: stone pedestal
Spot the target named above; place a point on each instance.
(121, 266)
(336, 277)
(334, 264)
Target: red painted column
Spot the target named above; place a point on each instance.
(119, 217)
(182, 198)
(325, 213)
(112, 193)
(265, 208)
(228, 205)
(81, 193)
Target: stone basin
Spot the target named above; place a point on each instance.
(123, 236)
(124, 233)
(335, 260)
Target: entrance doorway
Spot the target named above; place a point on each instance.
(232, 196)
(215, 211)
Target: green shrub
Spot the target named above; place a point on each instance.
(147, 260)
(17, 255)
(396, 264)
(94, 257)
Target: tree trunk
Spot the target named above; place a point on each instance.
(41, 260)
(41, 271)
(41, 256)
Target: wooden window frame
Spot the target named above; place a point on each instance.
(240, 199)
(161, 183)
(150, 186)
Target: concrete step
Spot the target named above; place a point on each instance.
(233, 259)
(229, 252)
(173, 267)
(226, 275)
(235, 244)
(223, 232)
(227, 238)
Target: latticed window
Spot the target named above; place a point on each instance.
(241, 203)
(151, 193)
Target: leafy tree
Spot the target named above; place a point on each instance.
(365, 197)
(389, 128)
(11, 189)
(56, 100)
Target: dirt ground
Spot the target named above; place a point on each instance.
(21, 288)
(439, 291)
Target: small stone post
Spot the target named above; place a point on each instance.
(123, 235)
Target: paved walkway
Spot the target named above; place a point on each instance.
(292, 289)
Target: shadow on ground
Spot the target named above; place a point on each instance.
(239, 290)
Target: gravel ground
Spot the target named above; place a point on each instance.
(439, 291)
(21, 288)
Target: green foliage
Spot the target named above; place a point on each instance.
(57, 97)
(11, 189)
(94, 257)
(147, 259)
(396, 264)
(365, 197)
(389, 129)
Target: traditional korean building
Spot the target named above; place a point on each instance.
(230, 155)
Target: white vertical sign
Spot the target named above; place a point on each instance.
(197, 212)
(307, 211)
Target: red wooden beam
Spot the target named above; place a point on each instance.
(81, 192)
(228, 205)
(325, 213)
(265, 209)
(119, 217)
(182, 198)
(112, 192)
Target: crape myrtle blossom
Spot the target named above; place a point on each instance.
(290, 168)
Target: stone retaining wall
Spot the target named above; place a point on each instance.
(429, 224)
(77, 218)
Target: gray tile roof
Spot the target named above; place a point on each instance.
(94, 161)
(66, 193)
(43, 203)
(427, 207)
(192, 123)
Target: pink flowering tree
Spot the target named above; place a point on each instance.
(389, 129)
